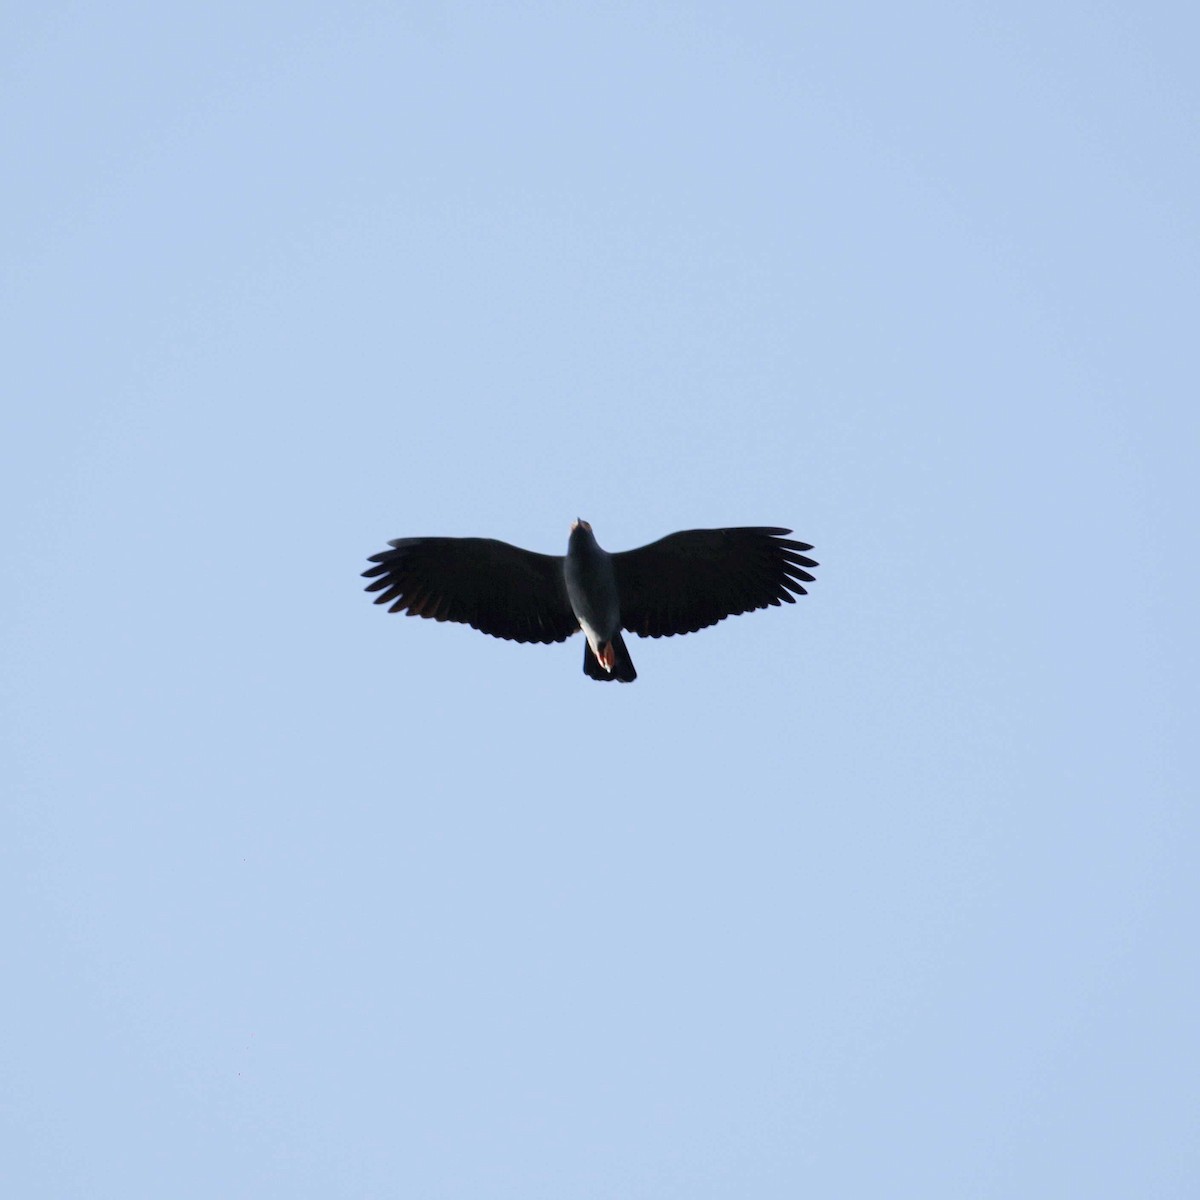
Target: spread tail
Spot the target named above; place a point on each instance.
(622, 664)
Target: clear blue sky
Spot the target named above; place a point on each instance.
(888, 894)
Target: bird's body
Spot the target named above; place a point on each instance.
(592, 590)
(679, 584)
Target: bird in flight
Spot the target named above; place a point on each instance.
(681, 583)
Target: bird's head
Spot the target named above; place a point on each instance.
(581, 536)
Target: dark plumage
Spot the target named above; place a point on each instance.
(679, 584)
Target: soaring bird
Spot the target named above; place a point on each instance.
(681, 583)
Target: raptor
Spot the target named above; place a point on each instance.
(679, 584)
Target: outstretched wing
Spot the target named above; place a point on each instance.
(492, 586)
(690, 580)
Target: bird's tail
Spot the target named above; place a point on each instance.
(622, 664)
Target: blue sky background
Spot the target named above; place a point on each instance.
(892, 893)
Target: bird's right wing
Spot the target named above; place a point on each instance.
(496, 588)
(689, 580)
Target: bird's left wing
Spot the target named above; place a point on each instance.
(690, 580)
(496, 588)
